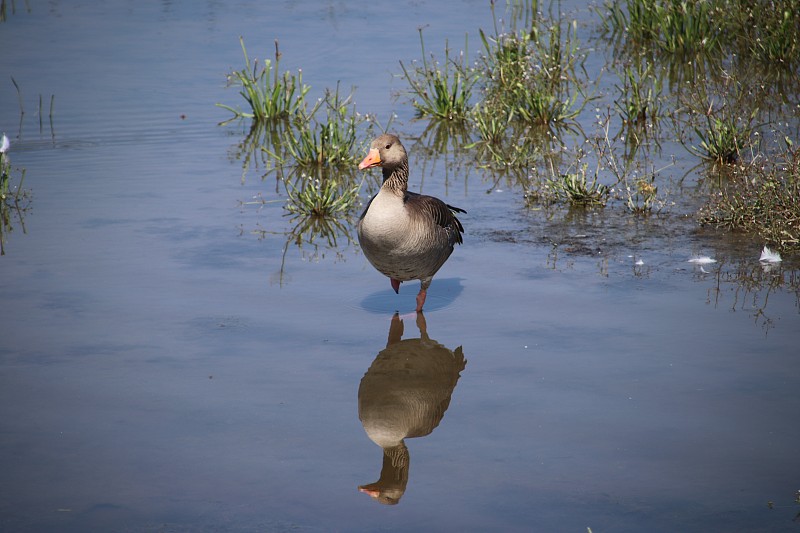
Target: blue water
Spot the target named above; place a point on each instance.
(164, 366)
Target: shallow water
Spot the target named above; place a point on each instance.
(165, 366)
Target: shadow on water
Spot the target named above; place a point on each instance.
(442, 293)
(404, 394)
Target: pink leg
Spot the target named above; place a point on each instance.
(421, 299)
(423, 292)
(396, 285)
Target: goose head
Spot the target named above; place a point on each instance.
(386, 151)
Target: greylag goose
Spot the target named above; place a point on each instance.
(405, 235)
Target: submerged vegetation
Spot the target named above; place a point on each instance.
(527, 111)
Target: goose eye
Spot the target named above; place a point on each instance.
(388, 146)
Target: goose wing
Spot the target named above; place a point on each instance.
(435, 210)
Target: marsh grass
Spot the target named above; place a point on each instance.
(640, 93)
(767, 33)
(262, 139)
(642, 198)
(441, 91)
(269, 95)
(722, 139)
(514, 152)
(322, 197)
(533, 73)
(670, 26)
(570, 182)
(764, 32)
(504, 145)
(442, 150)
(532, 87)
(761, 196)
(597, 172)
(332, 142)
(575, 188)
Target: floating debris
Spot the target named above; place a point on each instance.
(702, 260)
(768, 256)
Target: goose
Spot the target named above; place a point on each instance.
(405, 235)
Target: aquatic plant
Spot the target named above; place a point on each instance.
(333, 142)
(764, 32)
(722, 139)
(639, 95)
(321, 197)
(643, 196)
(769, 33)
(269, 95)
(491, 128)
(575, 188)
(671, 26)
(505, 144)
(722, 115)
(530, 73)
(575, 185)
(760, 196)
(441, 91)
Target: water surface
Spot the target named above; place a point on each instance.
(165, 366)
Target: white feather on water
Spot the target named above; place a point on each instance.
(768, 256)
(702, 260)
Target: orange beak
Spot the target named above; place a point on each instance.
(373, 159)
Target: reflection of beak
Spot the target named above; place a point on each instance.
(373, 159)
(372, 492)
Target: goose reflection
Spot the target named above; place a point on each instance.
(404, 394)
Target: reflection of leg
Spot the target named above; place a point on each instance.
(422, 325)
(395, 330)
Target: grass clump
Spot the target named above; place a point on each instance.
(764, 32)
(531, 73)
(640, 93)
(440, 91)
(769, 32)
(576, 185)
(329, 143)
(321, 197)
(670, 26)
(642, 198)
(531, 87)
(576, 188)
(269, 95)
(722, 139)
(761, 197)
